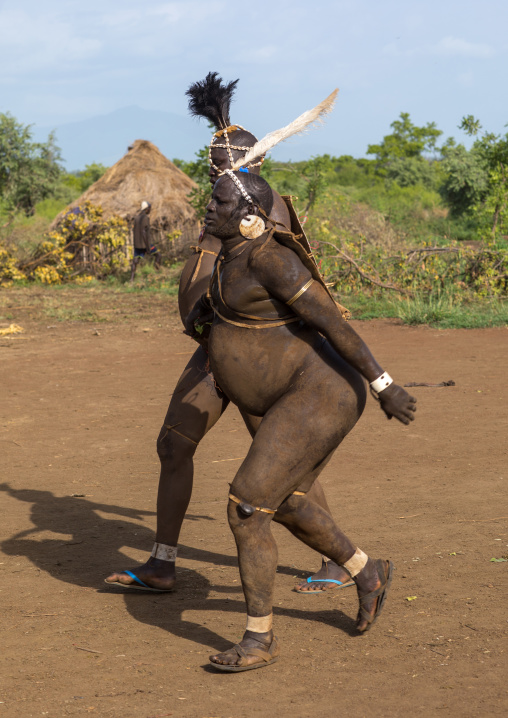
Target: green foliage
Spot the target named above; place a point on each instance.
(470, 125)
(29, 171)
(198, 171)
(411, 171)
(406, 141)
(477, 181)
(466, 178)
(360, 256)
(407, 156)
(80, 181)
(446, 313)
(426, 308)
(50, 207)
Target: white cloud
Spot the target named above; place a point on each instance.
(457, 47)
(155, 16)
(31, 41)
(448, 47)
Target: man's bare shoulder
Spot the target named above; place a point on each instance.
(274, 260)
(209, 242)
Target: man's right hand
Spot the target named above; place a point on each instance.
(198, 318)
(396, 402)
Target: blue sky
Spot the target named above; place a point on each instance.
(64, 61)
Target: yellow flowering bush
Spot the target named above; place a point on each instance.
(83, 242)
(47, 275)
(8, 270)
(84, 279)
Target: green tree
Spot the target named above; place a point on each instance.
(409, 171)
(29, 171)
(83, 179)
(198, 171)
(466, 178)
(316, 172)
(405, 156)
(407, 140)
(477, 180)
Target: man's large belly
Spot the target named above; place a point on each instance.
(255, 367)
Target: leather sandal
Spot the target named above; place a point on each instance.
(267, 656)
(385, 571)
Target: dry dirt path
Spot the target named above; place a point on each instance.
(81, 405)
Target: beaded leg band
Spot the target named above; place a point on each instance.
(247, 509)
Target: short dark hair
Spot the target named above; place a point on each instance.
(259, 189)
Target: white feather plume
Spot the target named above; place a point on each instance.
(294, 128)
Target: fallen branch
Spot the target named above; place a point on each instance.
(499, 518)
(88, 650)
(415, 254)
(377, 282)
(219, 461)
(423, 383)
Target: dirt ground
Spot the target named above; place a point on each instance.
(81, 404)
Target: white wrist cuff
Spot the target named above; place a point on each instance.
(164, 552)
(382, 382)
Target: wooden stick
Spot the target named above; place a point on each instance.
(88, 650)
(218, 461)
(499, 518)
(424, 383)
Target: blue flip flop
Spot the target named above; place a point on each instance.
(325, 580)
(138, 586)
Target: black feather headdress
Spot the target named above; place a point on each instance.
(210, 98)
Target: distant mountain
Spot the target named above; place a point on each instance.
(105, 138)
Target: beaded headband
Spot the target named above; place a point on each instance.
(228, 146)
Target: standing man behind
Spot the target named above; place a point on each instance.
(142, 246)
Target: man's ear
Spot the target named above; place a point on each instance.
(253, 209)
(244, 210)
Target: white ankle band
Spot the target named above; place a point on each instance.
(260, 625)
(382, 382)
(164, 552)
(357, 561)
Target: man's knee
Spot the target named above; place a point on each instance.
(246, 518)
(173, 446)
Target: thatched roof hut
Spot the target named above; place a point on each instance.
(144, 173)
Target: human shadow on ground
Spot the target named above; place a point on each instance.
(92, 544)
(94, 547)
(170, 611)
